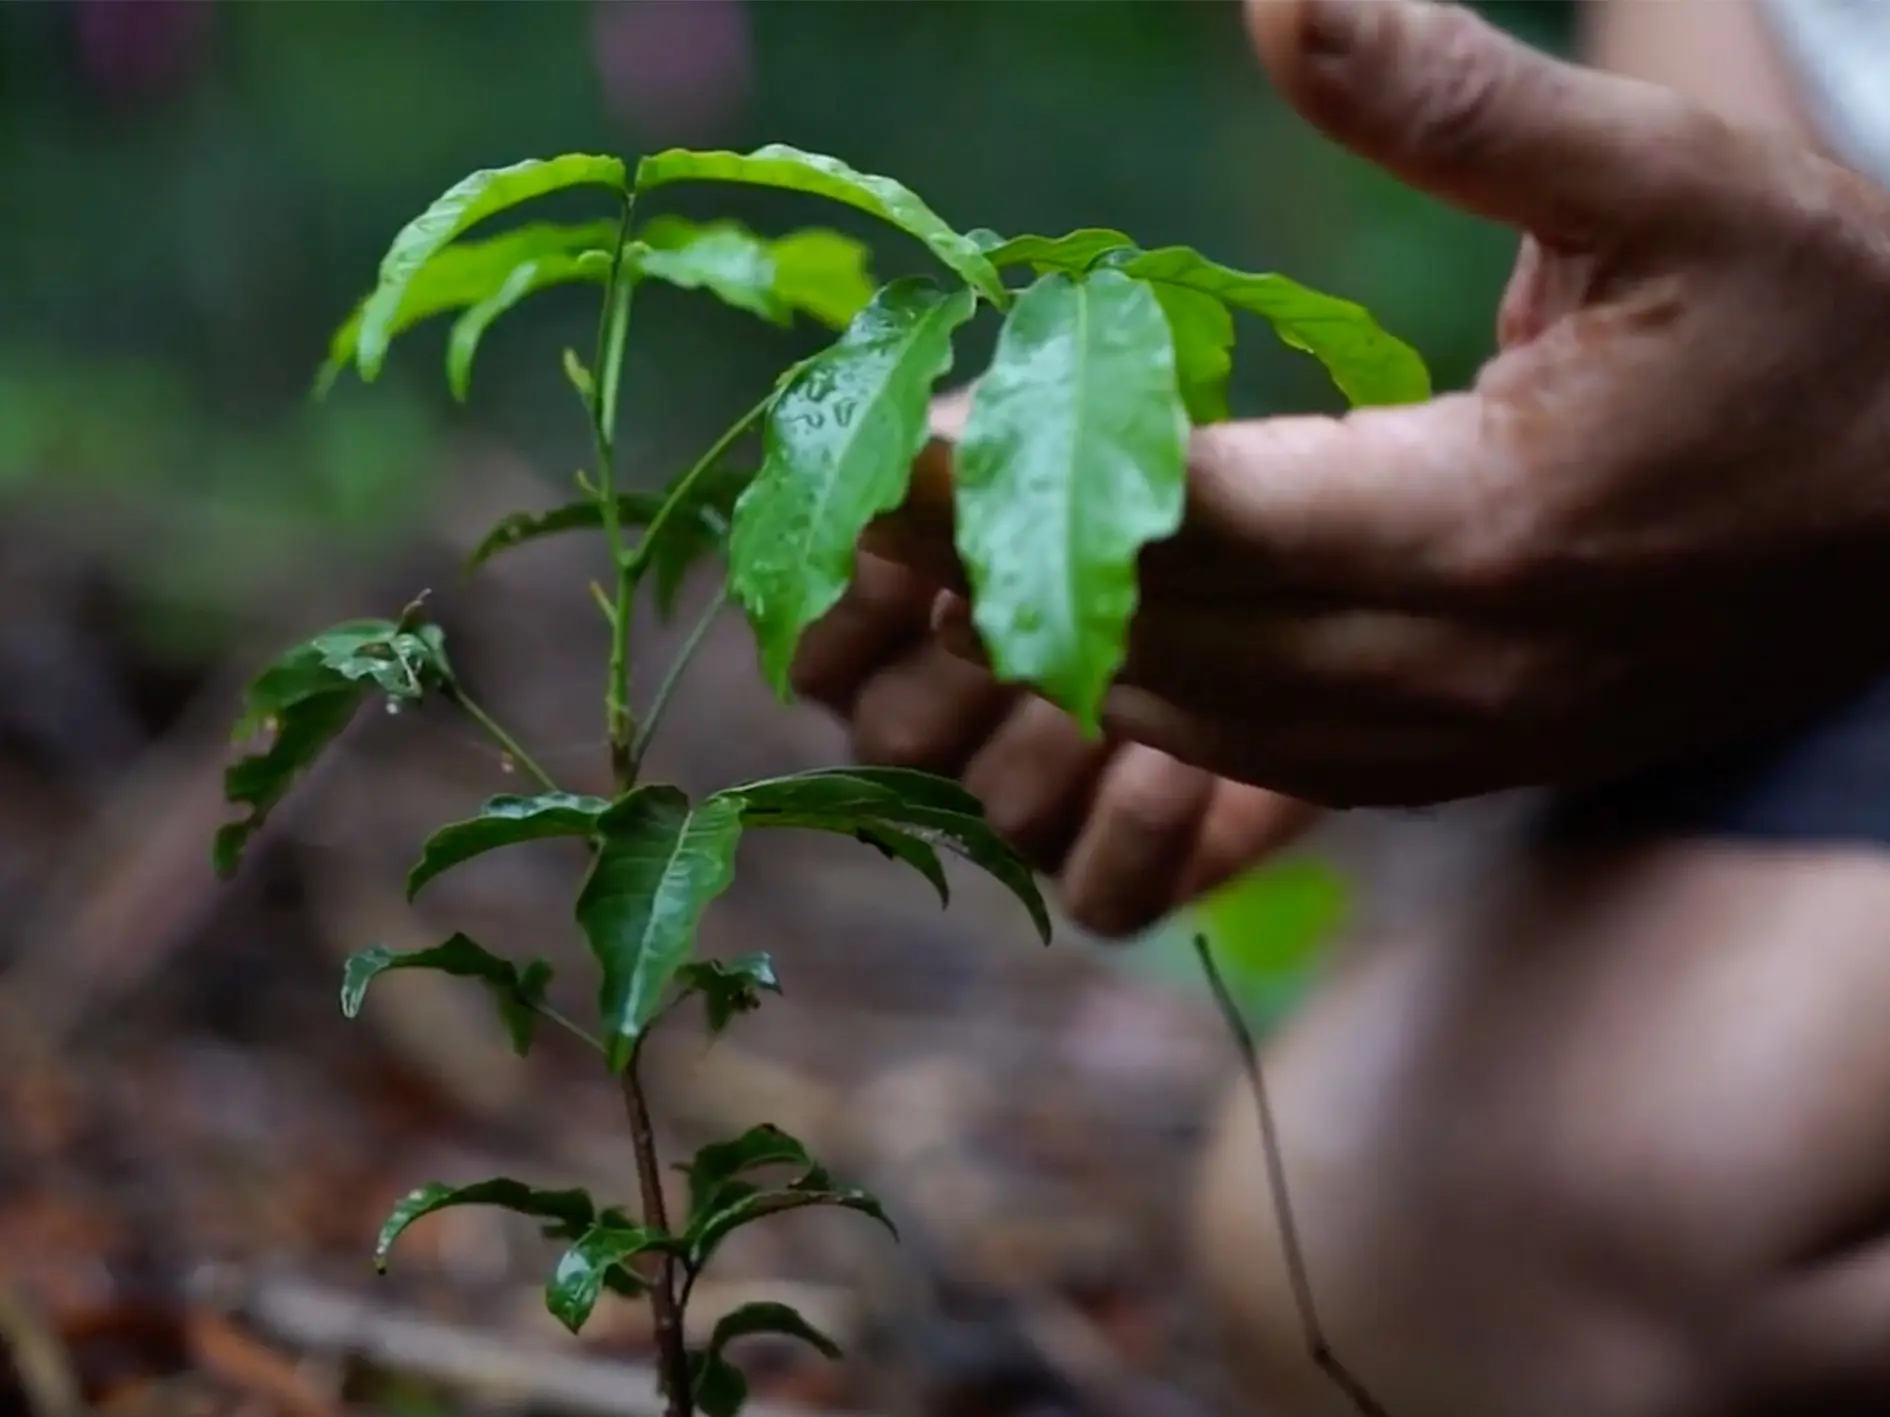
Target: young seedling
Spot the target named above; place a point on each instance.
(1072, 460)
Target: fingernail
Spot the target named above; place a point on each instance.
(951, 625)
(949, 611)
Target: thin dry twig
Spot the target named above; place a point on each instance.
(39, 1359)
(1318, 1346)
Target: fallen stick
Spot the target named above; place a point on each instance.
(312, 1316)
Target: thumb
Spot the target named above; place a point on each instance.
(1447, 102)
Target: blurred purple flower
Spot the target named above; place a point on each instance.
(142, 47)
(679, 70)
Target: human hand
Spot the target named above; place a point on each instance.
(1129, 833)
(1660, 518)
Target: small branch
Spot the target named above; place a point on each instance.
(672, 1351)
(1318, 1347)
(613, 322)
(673, 676)
(497, 733)
(39, 1361)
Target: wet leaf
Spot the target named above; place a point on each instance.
(745, 1205)
(504, 821)
(720, 1162)
(897, 810)
(659, 863)
(729, 986)
(518, 993)
(838, 451)
(571, 1208)
(306, 697)
(791, 169)
(1073, 458)
(466, 203)
(584, 1270)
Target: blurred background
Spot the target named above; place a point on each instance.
(195, 1148)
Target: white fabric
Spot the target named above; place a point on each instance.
(1841, 52)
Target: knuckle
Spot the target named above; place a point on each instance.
(1147, 806)
(1101, 912)
(1020, 811)
(1458, 95)
(897, 740)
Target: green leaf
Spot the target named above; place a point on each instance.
(718, 1163)
(696, 530)
(717, 1385)
(730, 986)
(583, 1271)
(725, 258)
(897, 810)
(793, 170)
(1369, 365)
(1077, 251)
(517, 528)
(467, 202)
(897, 845)
(659, 863)
(571, 1208)
(764, 1316)
(822, 273)
(465, 273)
(813, 271)
(504, 821)
(1203, 332)
(518, 993)
(1073, 458)
(307, 696)
(839, 447)
(524, 279)
(746, 1205)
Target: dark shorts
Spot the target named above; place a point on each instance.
(1822, 783)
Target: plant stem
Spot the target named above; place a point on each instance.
(510, 745)
(672, 1353)
(1318, 1346)
(672, 677)
(613, 323)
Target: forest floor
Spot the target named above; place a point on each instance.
(196, 1149)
